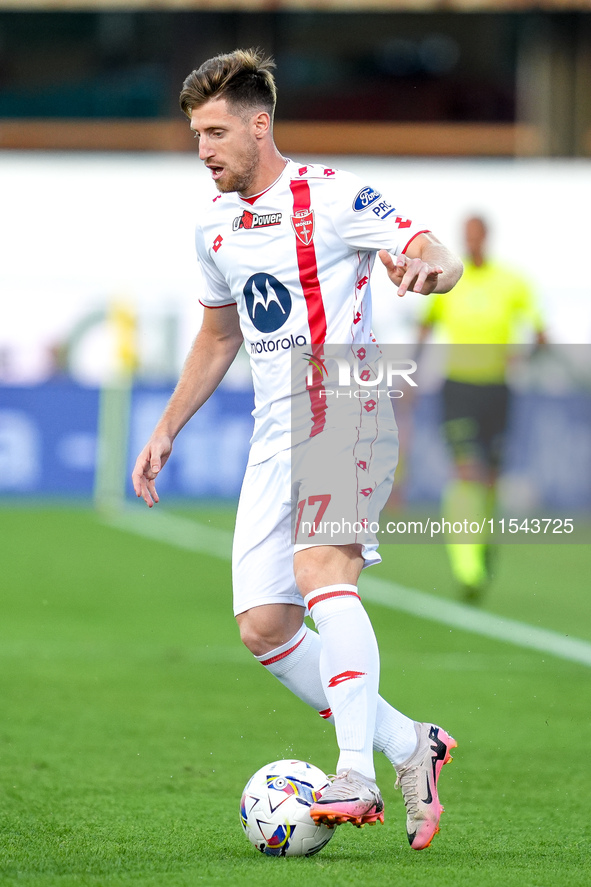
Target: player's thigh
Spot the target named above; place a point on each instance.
(262, 555)
(320, 565)
(343, 481)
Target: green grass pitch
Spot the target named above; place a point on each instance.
(131, 718)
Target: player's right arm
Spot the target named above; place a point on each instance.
(215, 347)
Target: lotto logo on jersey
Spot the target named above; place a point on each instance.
(249, 220)
(365, 198)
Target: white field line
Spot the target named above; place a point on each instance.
(466, 618)
(187, 534)
(173, 530)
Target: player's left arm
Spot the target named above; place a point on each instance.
(426, 266)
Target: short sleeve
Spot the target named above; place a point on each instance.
(366, 219)
(217, 292)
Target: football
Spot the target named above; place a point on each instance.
(274, 809)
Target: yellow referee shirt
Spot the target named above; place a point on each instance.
(486, 307)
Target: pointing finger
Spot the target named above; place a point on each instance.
(386, 259)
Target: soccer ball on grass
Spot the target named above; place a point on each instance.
(275, 805)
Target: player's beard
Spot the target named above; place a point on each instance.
(241, 178)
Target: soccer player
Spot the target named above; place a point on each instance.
(488, 307)
(286, 250)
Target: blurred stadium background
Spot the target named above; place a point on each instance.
(125, 739)
(471, 106)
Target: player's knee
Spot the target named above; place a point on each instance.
(265, 628)
(251, 637)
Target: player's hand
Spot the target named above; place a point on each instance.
(148, 465)
(410, 274)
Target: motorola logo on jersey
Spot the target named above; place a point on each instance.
(279, 344)
(268, 302)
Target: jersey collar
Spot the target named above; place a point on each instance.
(254, 197)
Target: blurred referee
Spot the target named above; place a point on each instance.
(487, 310)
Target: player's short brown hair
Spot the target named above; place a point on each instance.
(242, 77)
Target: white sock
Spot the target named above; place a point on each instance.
(297, 665)
(349, 670)
(395, 734)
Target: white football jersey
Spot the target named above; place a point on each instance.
(296, 260)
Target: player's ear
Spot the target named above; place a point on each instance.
(261, 124)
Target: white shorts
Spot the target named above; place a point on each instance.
(319, 492)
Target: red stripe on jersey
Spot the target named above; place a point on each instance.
(412, 238)
(307, 266)
(328, 594)
(225, 305)
(281, 655)
(316, 393)
(308, 272)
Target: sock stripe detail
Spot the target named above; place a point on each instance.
(282, 655)
(330, 594)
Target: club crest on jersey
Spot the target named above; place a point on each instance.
(249, 220)
(303, 225)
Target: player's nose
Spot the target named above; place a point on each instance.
(205, 148)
